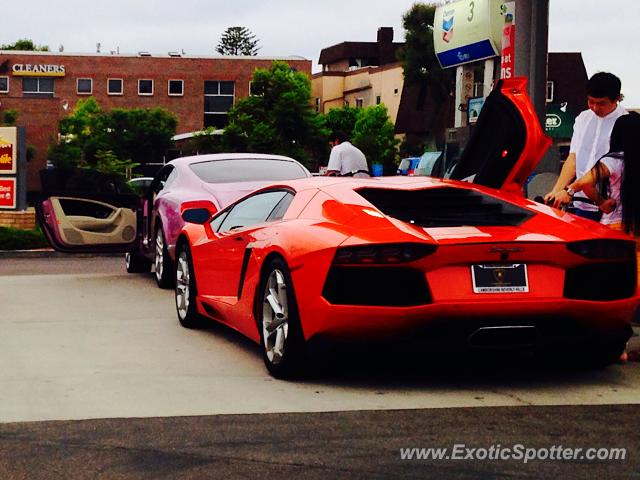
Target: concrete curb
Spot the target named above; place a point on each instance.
(48, 253)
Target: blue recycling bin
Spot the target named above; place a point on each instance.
(376, 169)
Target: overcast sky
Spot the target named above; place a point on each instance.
(606, 32)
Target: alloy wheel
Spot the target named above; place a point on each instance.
(182, 284)
(275, 316)
(159, 260)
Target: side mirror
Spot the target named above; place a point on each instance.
(198, 211)
(196, 215)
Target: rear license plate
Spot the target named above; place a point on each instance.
(500, 278)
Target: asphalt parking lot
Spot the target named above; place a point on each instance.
(102, 382)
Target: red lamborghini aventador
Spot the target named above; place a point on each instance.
(470, 261)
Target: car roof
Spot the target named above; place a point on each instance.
(228, 156)
(351, 183)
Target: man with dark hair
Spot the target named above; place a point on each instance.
(345, 159)
(590, 140)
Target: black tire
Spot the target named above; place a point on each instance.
(165, 275)
(284, 357)
(605, 353)
(136, 263)
(589, 355)
(186, 290)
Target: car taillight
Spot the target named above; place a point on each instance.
(389, 253)
(604, 249)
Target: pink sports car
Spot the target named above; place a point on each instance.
(205, 181)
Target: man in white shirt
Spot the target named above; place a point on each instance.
(345, 159)
(590, 140)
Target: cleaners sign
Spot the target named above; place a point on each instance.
(28, 70)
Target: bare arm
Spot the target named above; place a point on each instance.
(567, 174)
(587, 184)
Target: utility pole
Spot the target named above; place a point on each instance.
(532, 32)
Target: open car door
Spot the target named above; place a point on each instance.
(507, 142)
(86, 211)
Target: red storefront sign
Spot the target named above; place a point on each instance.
(7, 156)
(8, 193)
(507, 64)
(8, 150)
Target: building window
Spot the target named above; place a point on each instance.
(550, 92)
(396, 91)
(378, 100)
(145, 87)
(359, 102)
(176, 88)
(84, 86)
(346, 103)
(37, 87)
(4, 84)
(114, 86)
(218, 99)
(317, 105)
(253, 91)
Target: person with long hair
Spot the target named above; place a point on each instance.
(612, 184)
(618, 175)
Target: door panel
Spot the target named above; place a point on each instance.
(86, 211)
(89, 222)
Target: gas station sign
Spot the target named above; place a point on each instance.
(467, 31)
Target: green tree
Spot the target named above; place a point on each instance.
(418, 55)
(112, 141)
(140, 134)
(373, 133)
(238, 41)
(342, 119)
(278, 118)
(25, 44)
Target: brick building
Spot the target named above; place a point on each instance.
(361, 74)
(43, 87)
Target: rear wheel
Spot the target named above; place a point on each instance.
(136, 263)
(283, 344)
(603, 354)
(186, 290)
(164, 274)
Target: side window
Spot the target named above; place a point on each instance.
(253, 210)
(281, 208)
(161, 179)
(173, 174)
(215, 224)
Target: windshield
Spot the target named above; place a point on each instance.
(247, 170)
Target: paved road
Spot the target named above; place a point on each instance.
(102, 344)
(337, 445)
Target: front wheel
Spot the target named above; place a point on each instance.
(186, 290)
(283, 344)
(164, 275)
(136, 263)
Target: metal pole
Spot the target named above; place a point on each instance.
(532, 31)
(21, 177)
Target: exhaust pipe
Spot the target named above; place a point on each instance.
(505, 337)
